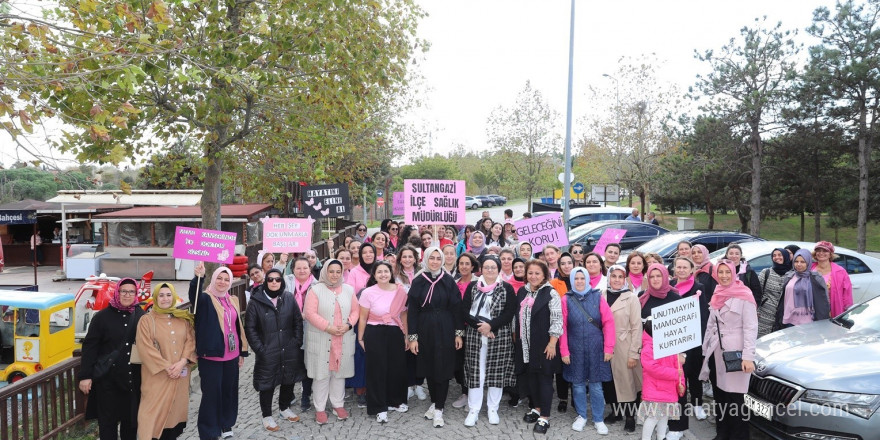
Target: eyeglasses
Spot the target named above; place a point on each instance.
(273, 280)
(577, 252)
(362, 229)
(392, 229)
(128, 292)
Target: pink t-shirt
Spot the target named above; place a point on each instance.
(378, 301)
(229, 326)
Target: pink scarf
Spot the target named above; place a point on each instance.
(637, 279)
(431, 289)
(736, 289)
(664, 288)
(594, 279)
(685, 286)
(486, 288)
(299, 290)
(528, 301)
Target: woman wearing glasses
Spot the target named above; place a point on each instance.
(393, 237)
(577, 252)
(115, 396)
(361, 233)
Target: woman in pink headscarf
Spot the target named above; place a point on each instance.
(732, 326)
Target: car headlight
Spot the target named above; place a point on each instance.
(862, 405)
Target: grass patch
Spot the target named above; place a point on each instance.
(787, 229)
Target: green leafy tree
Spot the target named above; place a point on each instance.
(430, 167)
(843, 70)
(748, 81)
(134, 77)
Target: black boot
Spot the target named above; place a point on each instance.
(563, 407)
(630, 424)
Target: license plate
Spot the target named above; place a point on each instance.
(759, 407)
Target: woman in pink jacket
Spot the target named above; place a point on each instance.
(840, 292)
(662, 381)
(732, 326)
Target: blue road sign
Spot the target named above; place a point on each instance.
(578, 188)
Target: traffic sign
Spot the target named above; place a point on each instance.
(380, 193)
(578, 188)
(380, 201)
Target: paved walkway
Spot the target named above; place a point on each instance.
(410, 425)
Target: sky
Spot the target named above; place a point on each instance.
(483, 52)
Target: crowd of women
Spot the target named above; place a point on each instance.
(409, 308)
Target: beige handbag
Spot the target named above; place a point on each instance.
(135, 354)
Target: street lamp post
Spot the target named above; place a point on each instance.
(566, 185)
(616, 129)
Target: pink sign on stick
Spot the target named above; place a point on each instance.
(542, 230)
(204, 245)
(434, 202)
(608, 237)
(287, 234)
(397, 203)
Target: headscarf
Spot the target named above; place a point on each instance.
(567, 279)
(706, 265)
(792, 248)
(428, 253)
(324, 279)
(612, 269)
(482, 285)
(651, 291)
(212, 288)
(782, 269)
(177, 313)
(475, 251)
(519, 251)
(586, 274)
(367, 267)
(274, 293)
(803, 288)
(114, 302)
(513, 264)
(736, 288)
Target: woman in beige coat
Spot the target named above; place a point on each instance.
(332, 310)
(625, 367)
(167, 347)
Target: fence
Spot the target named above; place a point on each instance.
(344, 228)
(43, 405)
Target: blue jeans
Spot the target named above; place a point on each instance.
(597, 400)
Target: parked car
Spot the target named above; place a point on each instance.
(863, 270)
(499, 200)
(667, 244)
(636, 233)
(472, 202)
(582, 216)
(820, 380)
(486, 201)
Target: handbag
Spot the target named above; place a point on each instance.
(587, 315)
(104, 363)
(135, 354)
(732, 359)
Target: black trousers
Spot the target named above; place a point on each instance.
(439, 392)
(623, 409)
(682, 423)
(115, 413)
(562, 387)
(459, 370)
(730, 408)
(411, 378)
(219, 407)
(285, 397)
(540, 391)
(386, 367)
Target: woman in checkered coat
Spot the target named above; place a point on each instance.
(489, 306)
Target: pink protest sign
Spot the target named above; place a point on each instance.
(397, 203)
(542, 230)
(608, 237)
(434, 202)
(204, 245)
(287, 234)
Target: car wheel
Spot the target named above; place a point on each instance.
(16, 376)
(489, 205)
(475, 206)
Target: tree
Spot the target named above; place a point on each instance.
(134, 77)
(430, 167)
(843, 70)
(750, 78)
(523, 136)
(33, 183)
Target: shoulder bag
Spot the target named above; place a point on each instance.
(732, 359)
(589, 318)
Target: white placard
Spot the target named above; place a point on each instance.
(676, 327)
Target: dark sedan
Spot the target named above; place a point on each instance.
(667, 245)
(499, 200)
(486, 201)
(636, 233)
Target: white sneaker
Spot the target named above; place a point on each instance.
(601, 428)
(461, 402)
(226, 434)
(579, 424)
(289, 415)
(410, 393)
(429, 414)
(493, 417)
(402, 408)
(438, 418)
(700, 413)
(420, 392)
(382, 417)
(269, 424)
(471, 418)
(674, 435)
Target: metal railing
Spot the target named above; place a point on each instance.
(43, 405)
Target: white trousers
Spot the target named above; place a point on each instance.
(332, 387)
(475, 395)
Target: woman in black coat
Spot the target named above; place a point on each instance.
(113, 397)
(274, 328)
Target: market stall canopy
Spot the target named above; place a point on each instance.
(41, 207)
(136, 198)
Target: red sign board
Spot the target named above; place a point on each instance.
(380, 201)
